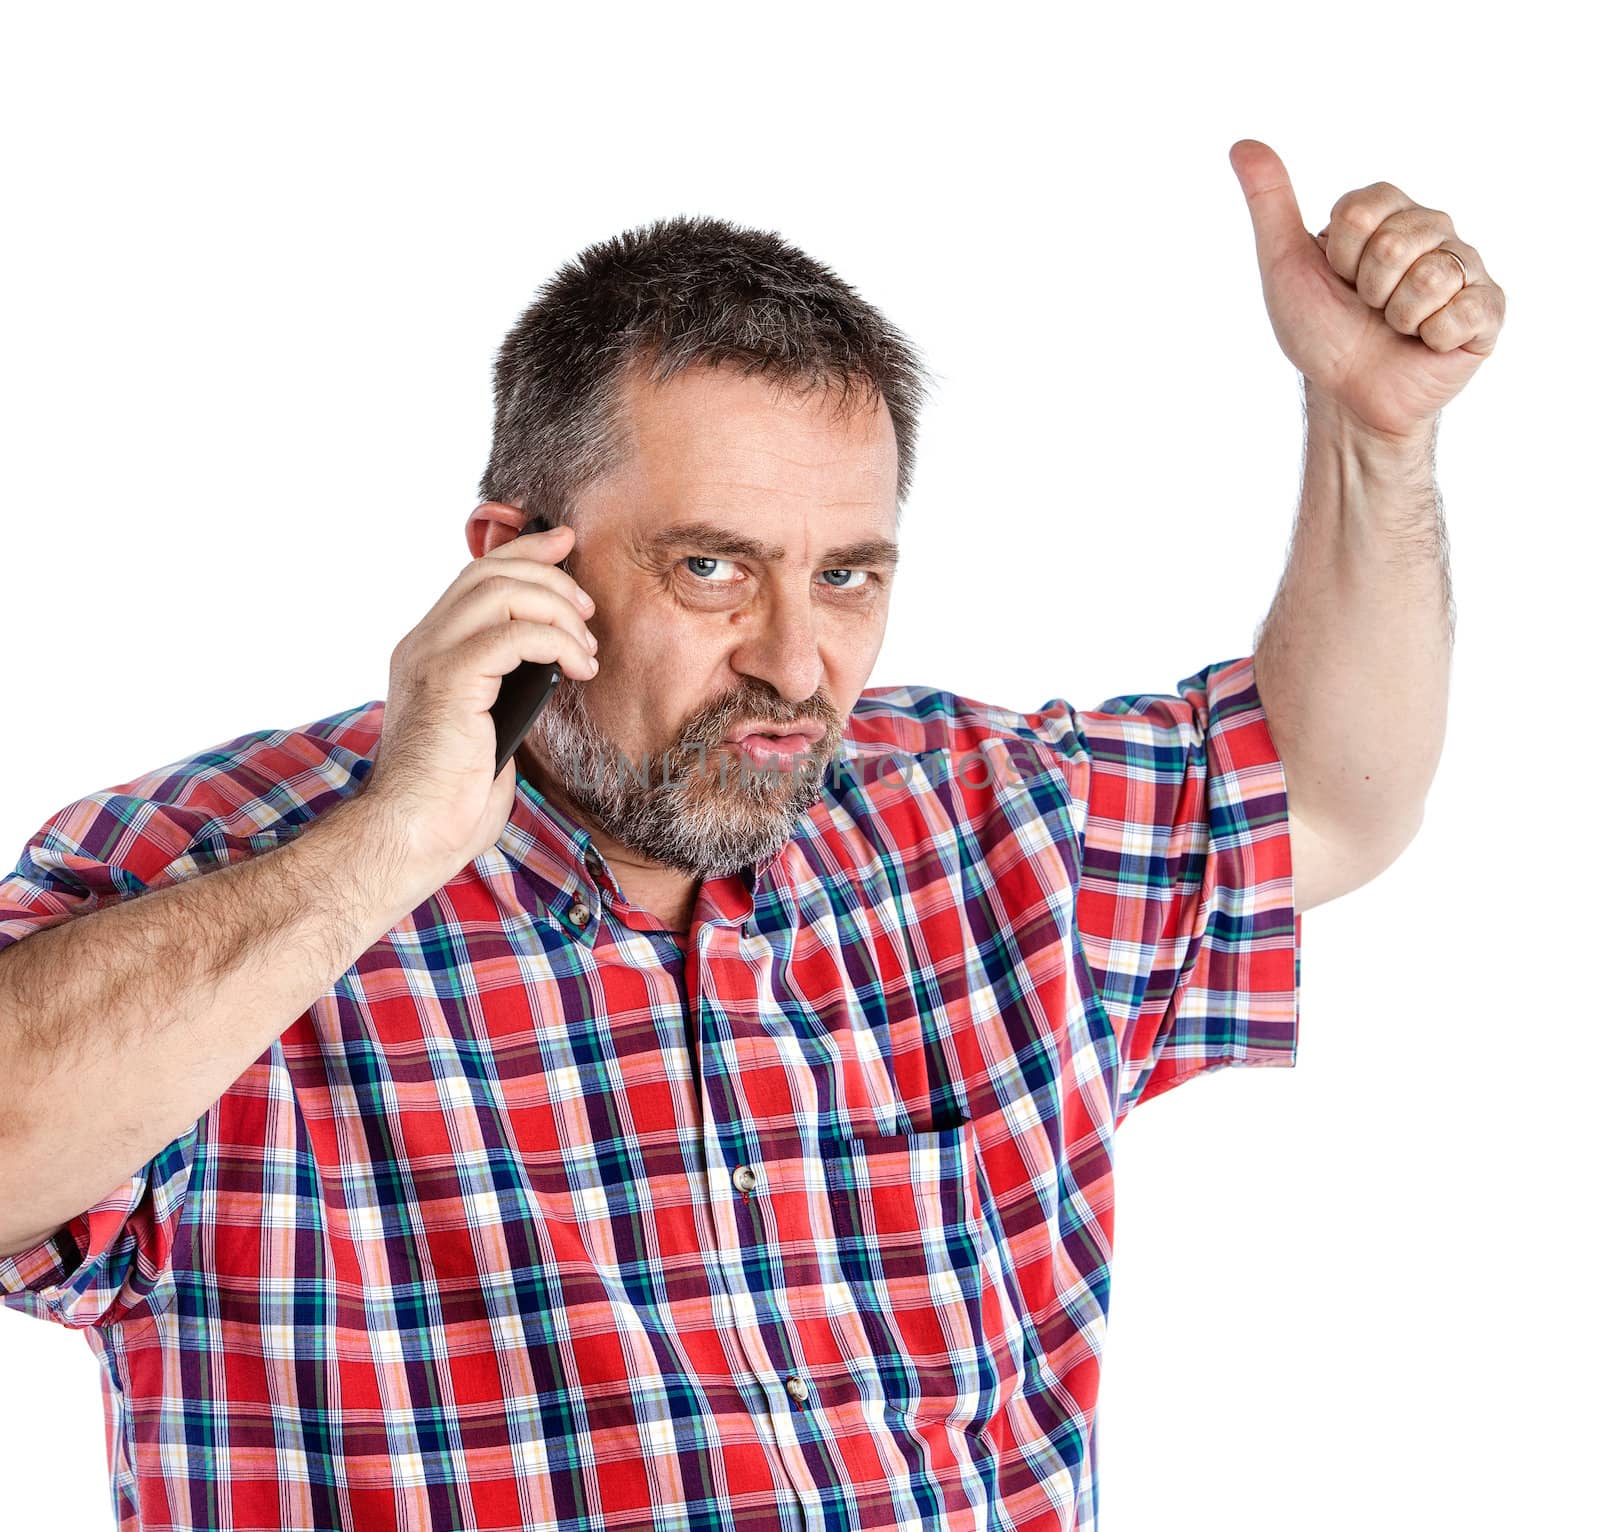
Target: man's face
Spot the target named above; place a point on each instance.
(770, 609)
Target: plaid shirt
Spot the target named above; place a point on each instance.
(538, 1218)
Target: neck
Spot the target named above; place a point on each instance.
(661, 891)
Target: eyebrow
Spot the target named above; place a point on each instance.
(875, 552)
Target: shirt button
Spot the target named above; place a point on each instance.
(745, 1179)
(797, 1389)
(580, 913)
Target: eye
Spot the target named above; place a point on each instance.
(697, 559)
(866, 575)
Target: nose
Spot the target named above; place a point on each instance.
(780, 645)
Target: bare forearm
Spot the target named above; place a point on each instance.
(120, 1028)
(1353, 660)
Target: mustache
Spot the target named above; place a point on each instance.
(592, 755)
(709, 726)
(685, 759)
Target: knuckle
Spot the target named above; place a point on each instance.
(1387, 246)
(1360, 216)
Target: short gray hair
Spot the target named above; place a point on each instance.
(676, 293)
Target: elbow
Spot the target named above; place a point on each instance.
(1382, 849)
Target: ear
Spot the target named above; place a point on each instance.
(492, 523)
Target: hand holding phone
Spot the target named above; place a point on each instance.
(464, 687)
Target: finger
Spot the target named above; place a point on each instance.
(502, 598)
(522, 599)
(552, 533)
(1431, 282)
(1470, 321)
(521, 551)
(534, 572)
(1269, 195)
(1352, 220)
(1394, 247)
(533, 641)
(548, 537)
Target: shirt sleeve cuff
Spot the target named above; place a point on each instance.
(49, 1265)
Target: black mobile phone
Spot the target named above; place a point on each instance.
(524, 691)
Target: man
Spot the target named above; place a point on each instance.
(641, 1138)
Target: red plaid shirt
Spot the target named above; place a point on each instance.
(538, 1217)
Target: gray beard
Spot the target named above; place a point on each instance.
(701, 811)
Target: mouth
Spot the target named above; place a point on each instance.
(777, 742)
(806, 729)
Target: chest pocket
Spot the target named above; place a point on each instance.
(909, 1240)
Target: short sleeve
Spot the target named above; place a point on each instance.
(112, 1259)
(101, 850)
(1185, 905)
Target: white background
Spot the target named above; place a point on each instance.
(260, 260)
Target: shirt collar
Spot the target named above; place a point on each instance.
(563, 876)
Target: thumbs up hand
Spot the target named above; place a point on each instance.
(1385, 327)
